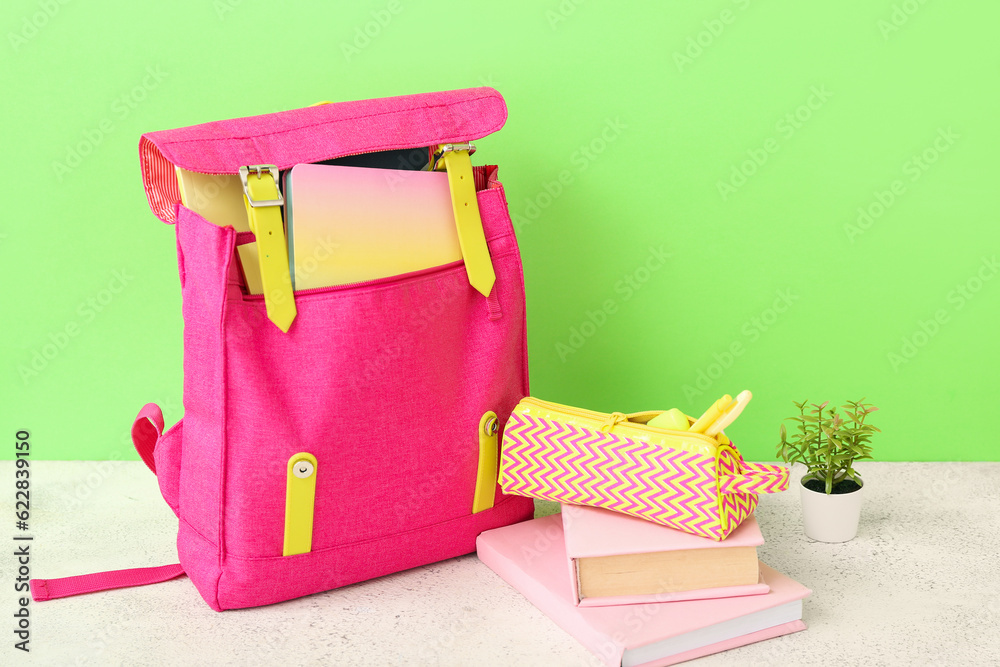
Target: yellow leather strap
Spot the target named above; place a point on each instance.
(300, 502)
(478, 264)
(486, 476)
(263, 204)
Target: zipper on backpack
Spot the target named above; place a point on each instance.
(367, 283)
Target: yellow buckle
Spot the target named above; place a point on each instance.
(448, 148)
(259, 169)
(263, 202)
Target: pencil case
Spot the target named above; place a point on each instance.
(688, 481)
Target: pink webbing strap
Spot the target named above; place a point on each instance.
(146, 431)
(48, 589)
(493, 305)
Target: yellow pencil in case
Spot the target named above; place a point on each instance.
(686, 480)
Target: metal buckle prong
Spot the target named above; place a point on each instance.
(447, 148)
(259, 169)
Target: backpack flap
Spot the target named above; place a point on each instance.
(313, 134)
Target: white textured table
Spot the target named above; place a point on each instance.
(920, 585)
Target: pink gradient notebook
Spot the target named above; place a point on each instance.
(352, 224)
(592, 532)
(531, 557)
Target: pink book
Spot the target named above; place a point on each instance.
(531, 557)
(594, 534)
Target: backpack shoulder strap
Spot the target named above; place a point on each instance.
(48, 589)
(146, 432)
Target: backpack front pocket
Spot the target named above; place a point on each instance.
(384, 384)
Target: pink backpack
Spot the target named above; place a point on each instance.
(388, 384)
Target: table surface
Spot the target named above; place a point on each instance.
(920, 585)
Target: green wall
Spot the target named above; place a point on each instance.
(790, 197)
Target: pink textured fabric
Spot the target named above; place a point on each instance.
(384, 383)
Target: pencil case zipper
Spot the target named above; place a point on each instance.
(622, 424)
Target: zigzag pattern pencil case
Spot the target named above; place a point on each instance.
(688, 481)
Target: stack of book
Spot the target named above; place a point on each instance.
(641, 594)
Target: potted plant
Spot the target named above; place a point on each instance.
(828, 444)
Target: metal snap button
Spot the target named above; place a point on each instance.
(302, 469)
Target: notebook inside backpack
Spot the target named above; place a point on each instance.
(347, 225)
(218, 198)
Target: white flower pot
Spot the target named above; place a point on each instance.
(831, 518)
